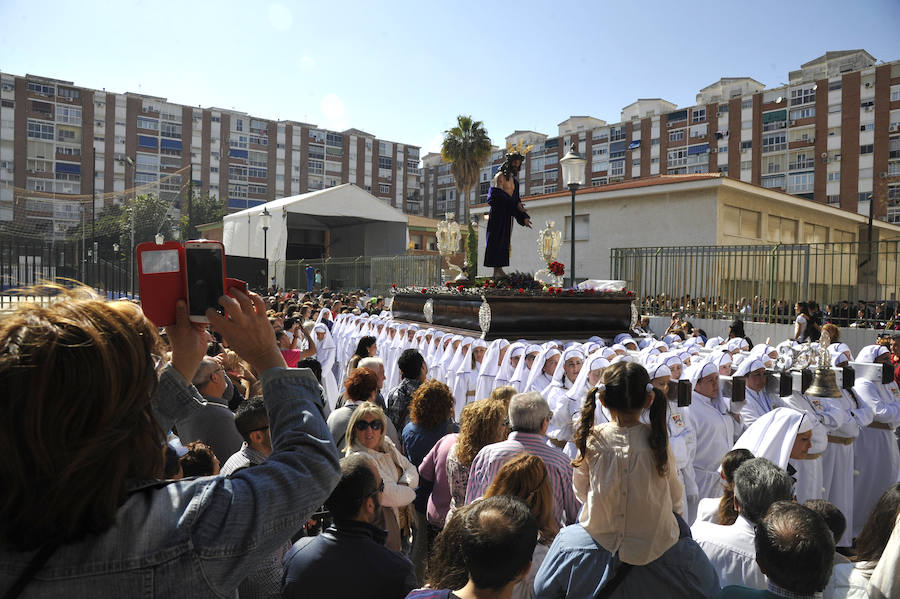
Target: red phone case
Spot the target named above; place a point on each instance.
(161, 290)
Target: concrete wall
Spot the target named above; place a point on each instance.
(635, 217)
(759, 331)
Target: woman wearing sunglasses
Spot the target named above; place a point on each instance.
(365, 434)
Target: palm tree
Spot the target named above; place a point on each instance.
(467, 148)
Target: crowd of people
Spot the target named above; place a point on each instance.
(857, 314)
(305, 444)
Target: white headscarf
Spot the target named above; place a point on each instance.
(595, 361)
(522, 372)
(506, 370)
(749, 365)
(772, 435)
(870, 353)
(538, 366)
(559, 371)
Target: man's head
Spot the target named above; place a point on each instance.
(794, 548)
(252, 421)
(529, 413)
(376, 365)
(210, 378)
(357, 495)
(282, 339)
(758, 483)
(412, 365)
(499, 537)
(512, 163)
(829, 512)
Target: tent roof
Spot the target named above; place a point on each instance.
(345, 204)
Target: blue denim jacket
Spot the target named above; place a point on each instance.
(200, 537)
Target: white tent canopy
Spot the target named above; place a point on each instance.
(359, 223)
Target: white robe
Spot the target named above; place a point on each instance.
(714, 429)
(808, 473)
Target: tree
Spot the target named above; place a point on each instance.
(467, 147)
(204, 209)
(472, 251)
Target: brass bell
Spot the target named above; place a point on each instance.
(824, 384)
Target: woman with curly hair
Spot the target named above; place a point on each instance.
(483, 422)
(431, 417)
(525, 477)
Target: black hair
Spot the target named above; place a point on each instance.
(251, 415)
(498, 541)
(410, 363)
(362, 348)
(626, 391)
(313, 365)
(833, 517)
(357, 483)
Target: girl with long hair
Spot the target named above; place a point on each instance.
(625, 475)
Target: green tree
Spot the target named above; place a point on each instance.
(467, 147)
(472, 251)
(204, 209)
(151, 216)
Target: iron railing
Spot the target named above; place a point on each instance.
(376, 274)
(26, 263)
(763, 282)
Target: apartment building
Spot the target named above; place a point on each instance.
(56, 138)
(831, 134)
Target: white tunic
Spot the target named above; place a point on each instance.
(714, 429)
(731, 551)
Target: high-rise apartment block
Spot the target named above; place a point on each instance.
(54, 136)
(831, 134)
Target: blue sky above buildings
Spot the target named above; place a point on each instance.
(403, 70)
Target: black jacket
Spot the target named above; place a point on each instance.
(348, 560)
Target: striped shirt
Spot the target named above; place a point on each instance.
(492, 457)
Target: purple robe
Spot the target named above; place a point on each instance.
(504, 208)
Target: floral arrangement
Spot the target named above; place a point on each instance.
(516, 283)
(557, 268)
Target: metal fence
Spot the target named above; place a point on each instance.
(762, 282)
(375, 274)
(25, 263)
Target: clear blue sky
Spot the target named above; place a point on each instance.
(404, 70)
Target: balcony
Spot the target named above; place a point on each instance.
(802, 165)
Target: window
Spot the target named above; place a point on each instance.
(834, 200)
(385, 162)
(833, 86)
(773, 181)
(616, 134)
(867, 127)
(617, 168)
(260, 140)
(144, 178)
(174, 130)
(834, 132)
(237, 172)
(257, 189)
(238, 141)
(866, 149)
(746, 165)
(582, 227)
(68, 114)
(774, 142)
(676, 135)
(40, 88)
(145, 123)
(801, 183)
(676, 157)
(383, 188)
(834, 176)
(782, 229)
(39, 130)
(802, 96)
(746, 145)
(722, 108)
(814, 233)
(147, 162)
(238, 124)
(258, 159)
(316, 152)
(803, 113)
(258, 172)
(895, 93)
(145, 141)
(698, 115)
(740, 222)
(746, 104)
(334, 139)
(698, 130)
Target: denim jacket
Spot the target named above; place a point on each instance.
(200, 537)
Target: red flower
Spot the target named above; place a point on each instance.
(589, 291)
(571, 292)
(460, 288)
(393, 285)
(424, 290)
(521, 290)
(448, 284)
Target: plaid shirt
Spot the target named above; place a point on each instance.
(559, 469)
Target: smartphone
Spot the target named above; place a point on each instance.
(205, 266)
(161, 280)
(738, 389)
(848, 377)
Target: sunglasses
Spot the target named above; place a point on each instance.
(375, 425)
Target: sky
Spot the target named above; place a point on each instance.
(403, 71)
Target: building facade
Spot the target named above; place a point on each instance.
(832, 135)
(55, 135)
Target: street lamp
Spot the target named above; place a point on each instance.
(265, 219)
(129, 162)
(573, 176)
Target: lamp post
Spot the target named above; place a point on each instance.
(117, 273)
(127, 161)
(265, 218)
(573, 176)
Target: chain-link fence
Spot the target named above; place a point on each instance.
(375, 274)
(856, 282)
